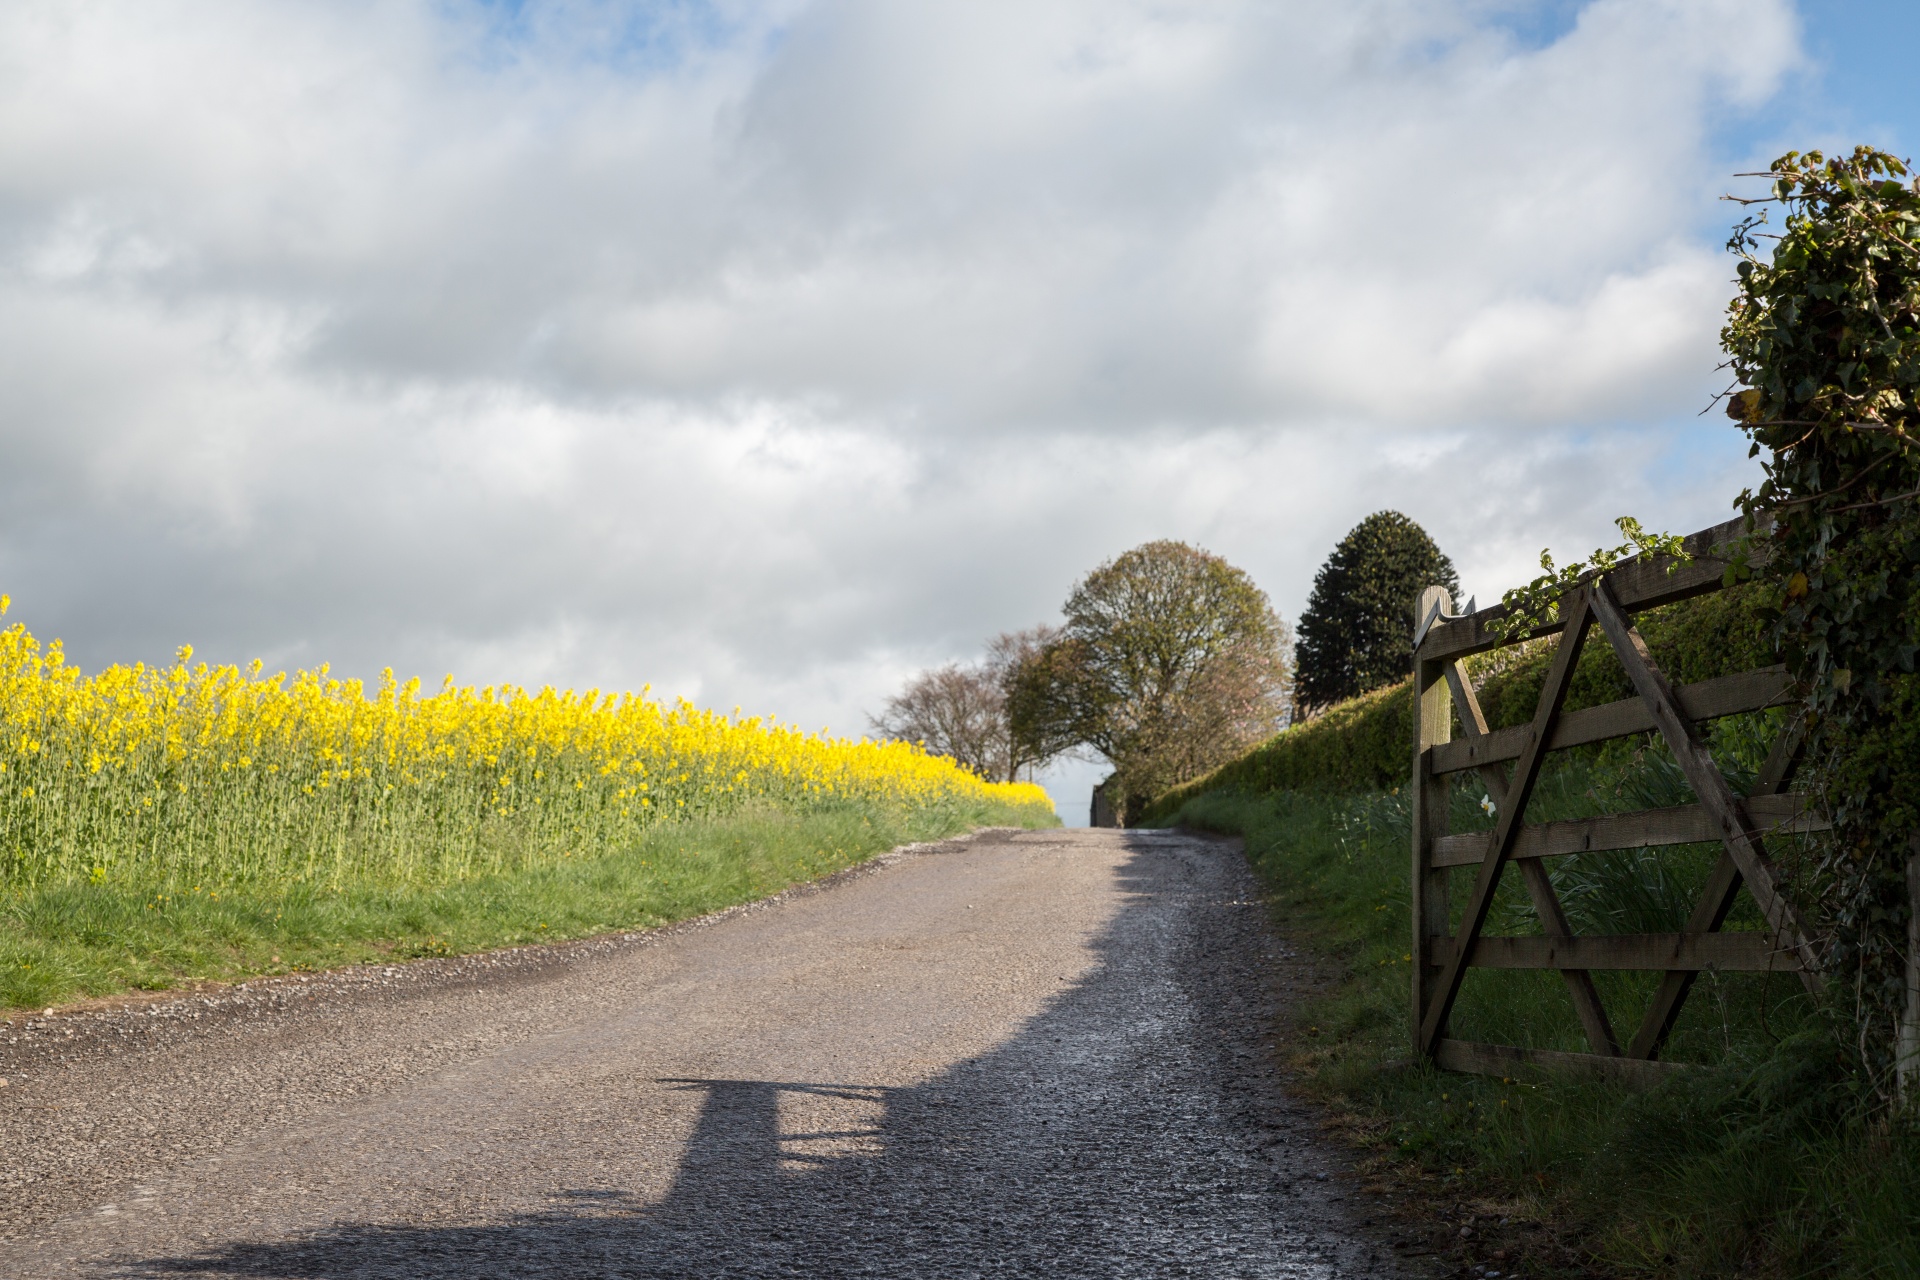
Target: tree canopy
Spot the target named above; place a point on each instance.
(1357, 631)
(1171, 662)
(954, 711)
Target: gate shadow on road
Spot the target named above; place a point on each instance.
(1132, 1128)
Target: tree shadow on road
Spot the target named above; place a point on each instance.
(1131, 1129)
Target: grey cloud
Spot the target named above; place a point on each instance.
(766, 352)
(1117, 214)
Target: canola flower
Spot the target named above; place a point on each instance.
(202, 772)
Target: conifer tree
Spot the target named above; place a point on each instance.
(1357, 631)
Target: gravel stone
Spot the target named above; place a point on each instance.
(1014, 1054)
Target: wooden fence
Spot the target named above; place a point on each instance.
(1508, 762)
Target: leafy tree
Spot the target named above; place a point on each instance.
(1007, 654)
(1357, 631)
(1171, 662)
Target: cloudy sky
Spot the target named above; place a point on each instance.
(768, 351)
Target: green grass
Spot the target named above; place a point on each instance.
(87, 938)
(1763, 1162)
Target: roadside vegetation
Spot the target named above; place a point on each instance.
(194, 822)
(1791, 1147)
(1769, 1161)
(1169, 662)
(1356, 631)
(73, 937)
(1775, 1157)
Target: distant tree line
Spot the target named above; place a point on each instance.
(1170, 661)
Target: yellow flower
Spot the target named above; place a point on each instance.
(313, 778)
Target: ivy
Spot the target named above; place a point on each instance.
(1823, 338)
(1537, 605)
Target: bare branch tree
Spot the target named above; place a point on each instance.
(961, 711)
(953, 711)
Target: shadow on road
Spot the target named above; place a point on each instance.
(1130, 1129)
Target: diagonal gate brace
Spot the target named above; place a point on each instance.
(1744, 859)
(1546, 902)
(1716, 901)
(1577, 611)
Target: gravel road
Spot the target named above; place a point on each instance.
(1016, 1054)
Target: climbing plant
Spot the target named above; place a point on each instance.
(1823, 338)
(1538, 603)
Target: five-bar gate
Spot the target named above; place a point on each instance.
(1509, 762)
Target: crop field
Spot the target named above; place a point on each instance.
(135, 800)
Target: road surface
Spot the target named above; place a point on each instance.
(1041, 1054)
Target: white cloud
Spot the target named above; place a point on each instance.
(766, 351)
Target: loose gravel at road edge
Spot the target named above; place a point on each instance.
(1044, 1054)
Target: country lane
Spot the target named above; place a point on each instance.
(1043, 1054)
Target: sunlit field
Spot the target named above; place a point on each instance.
(163, 791)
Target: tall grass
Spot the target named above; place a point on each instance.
(1761, 1162)
(77, 938)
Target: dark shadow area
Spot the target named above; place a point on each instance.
(1132, 1129)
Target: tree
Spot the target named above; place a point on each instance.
(961, 711)
(952, 711)
(1357, 631)
(1007, 654)
(1170, 663)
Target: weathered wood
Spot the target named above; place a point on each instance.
(1641, 829)
(1783, 760)
(1730, 952)
(1906, 1057)
(1706, 700)
(1639, 583)
(1716, 900)
(1610, 600)
(1736, 827)
(1578, 611)
(1507, 1060)
(1546, 903)
(1433, 725)
(1646, 587)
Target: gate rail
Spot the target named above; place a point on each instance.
(1442, 955)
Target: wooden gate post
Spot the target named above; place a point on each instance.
(1907, 1054)
(1432, 723)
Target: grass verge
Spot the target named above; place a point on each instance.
(85, 938)
(1763, 1162)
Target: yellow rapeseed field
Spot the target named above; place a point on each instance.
(201, 772)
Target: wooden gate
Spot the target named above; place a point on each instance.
(1443, 952)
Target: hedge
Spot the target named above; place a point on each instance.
(1363, 744)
